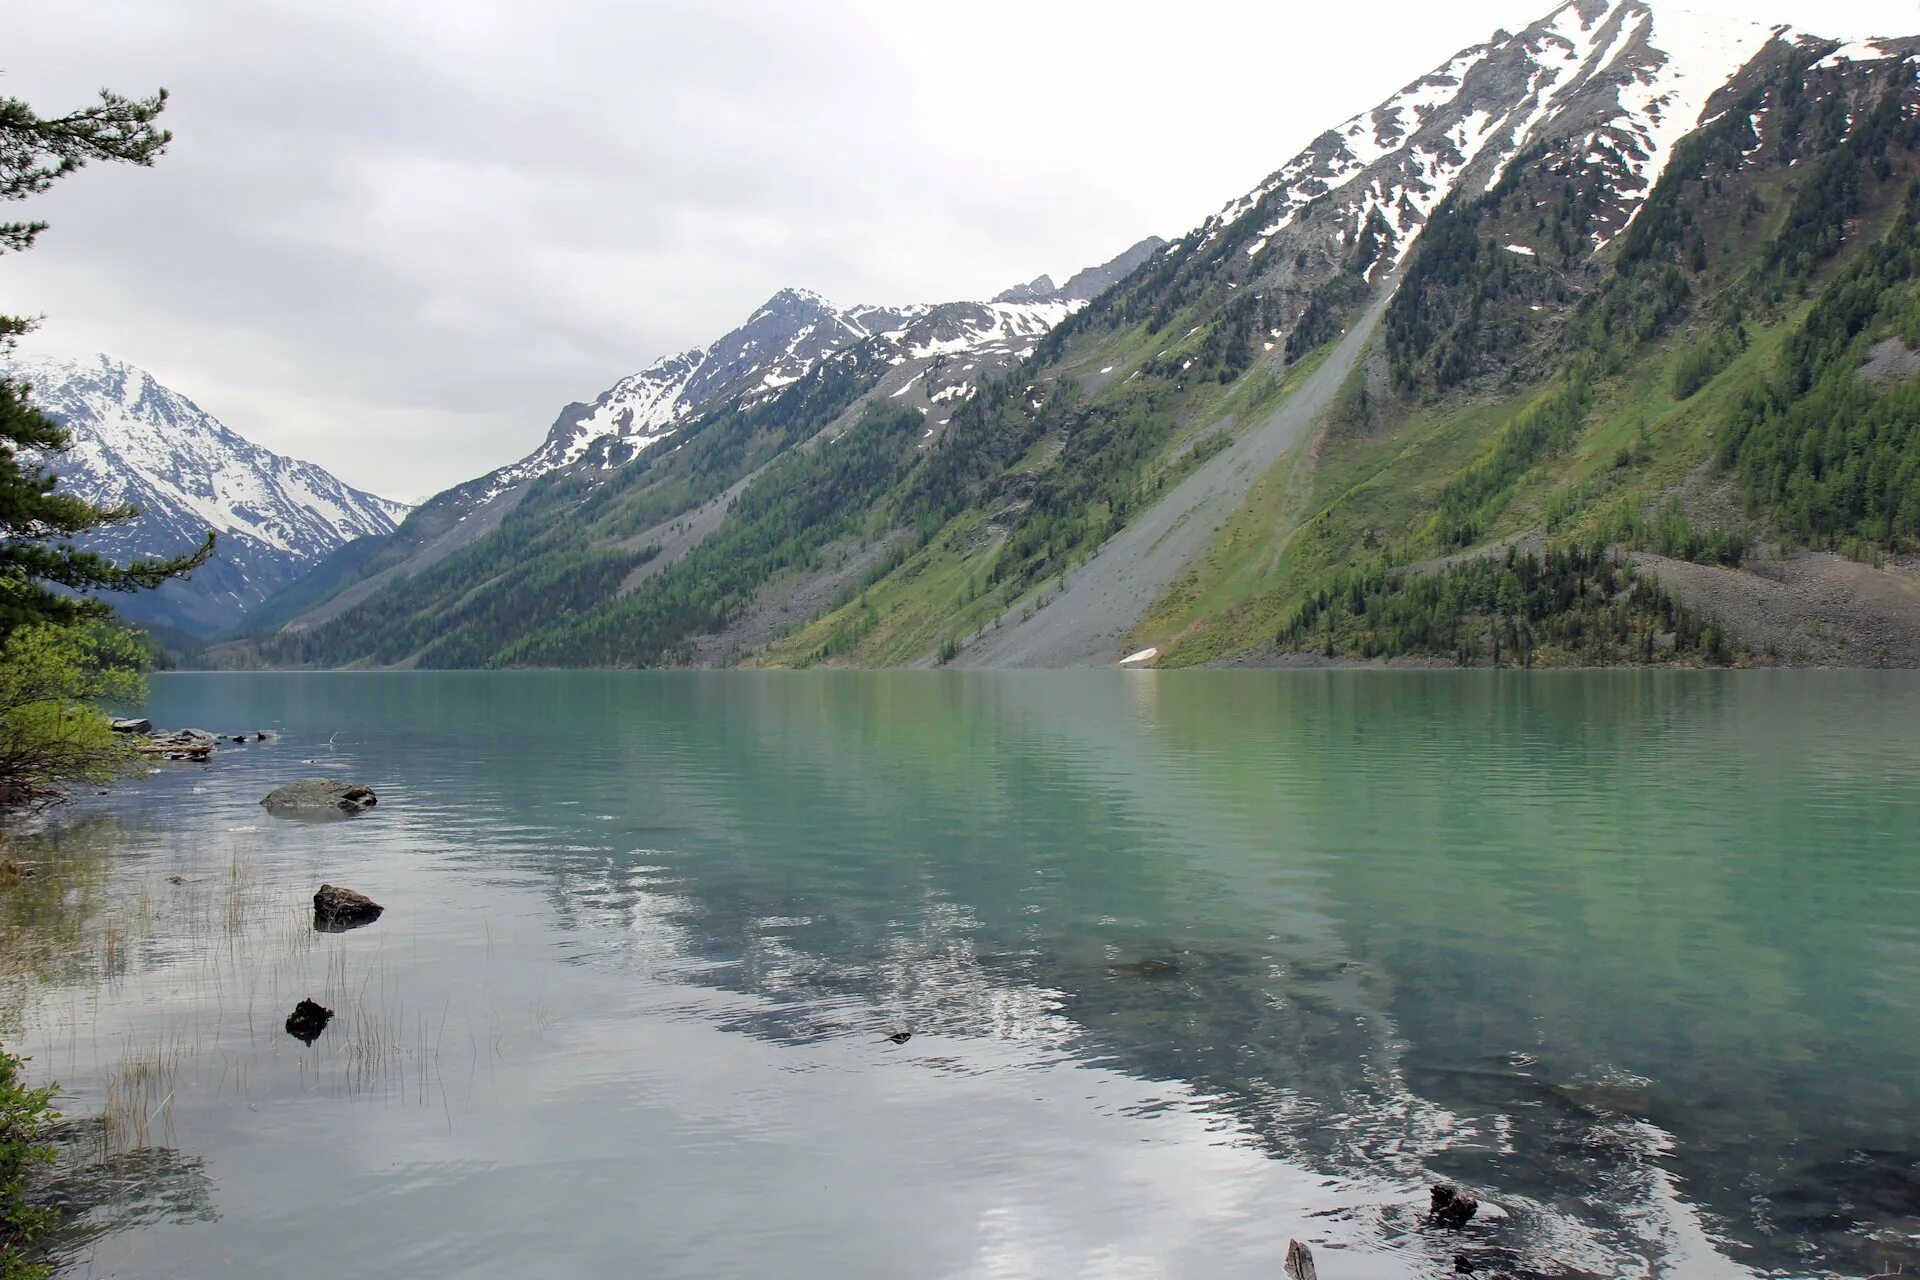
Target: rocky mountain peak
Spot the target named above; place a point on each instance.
(137, 441)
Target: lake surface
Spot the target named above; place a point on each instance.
(1193, 963)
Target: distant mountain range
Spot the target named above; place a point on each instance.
(137, 442)
(1537, 361)
(924, 357)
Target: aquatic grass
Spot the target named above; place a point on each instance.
(239, 949)
(139, 1091)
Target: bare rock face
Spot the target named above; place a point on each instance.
(336, 910)
(307, 1021)
(320, 797)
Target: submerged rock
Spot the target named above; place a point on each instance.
(1153, 967)
(336, 910)
(320, 797)
(901, 1037)
(1452, 1208)
(307, 1021)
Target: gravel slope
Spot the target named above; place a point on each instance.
(1106, 597)
(1812, 608)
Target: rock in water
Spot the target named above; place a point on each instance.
(1153, 967)
(307, 1021)
(336, 910)
(320, 797)
(138, 724)
(1300, 1262)
(1452, 1208)
(182, 744)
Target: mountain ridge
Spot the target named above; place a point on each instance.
(137, 442)
(1545, 222)
(934, 356)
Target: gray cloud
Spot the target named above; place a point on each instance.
(396, 238)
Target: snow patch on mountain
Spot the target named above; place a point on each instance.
(138, 443)
(787, 338)
(1643, 80)
(1698, 54)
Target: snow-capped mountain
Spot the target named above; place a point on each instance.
(1604, 87)
(1532, 157)
(787, 336)
(138, 443)
(934, 356)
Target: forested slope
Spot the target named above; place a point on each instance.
(1643, 392)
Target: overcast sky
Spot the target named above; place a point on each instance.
(396, 238)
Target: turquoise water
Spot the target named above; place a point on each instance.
(1193, 964)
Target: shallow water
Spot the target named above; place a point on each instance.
(1192, 963)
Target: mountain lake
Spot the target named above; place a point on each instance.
(1118, 974)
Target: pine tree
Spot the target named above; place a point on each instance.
(39, 567)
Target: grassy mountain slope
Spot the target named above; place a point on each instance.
(1597, 424)
(1692, 393)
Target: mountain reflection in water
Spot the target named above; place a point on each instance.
(1191, 964)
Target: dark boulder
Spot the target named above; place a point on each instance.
(320, 797)
(136, 724)
(1452, 1208)
(336, 910)
(307, 1021)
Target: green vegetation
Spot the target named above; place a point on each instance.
(1579, 605)
(53, 679)
(1473, 497)
(1700, 362)
(1819, 448)
(60, 656)
(1546, 365)
(803, 501)
(25, 1116)
(1635, 417)
(558, 560)
(1671, 534)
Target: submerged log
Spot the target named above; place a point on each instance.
(1300, 1262)
(1152, 967)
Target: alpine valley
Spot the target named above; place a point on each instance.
(1598, 344)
